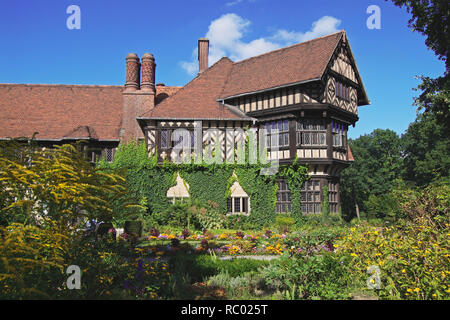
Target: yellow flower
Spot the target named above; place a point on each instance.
(403, 271)
(409, 290)
(416, 290)
(354, 254)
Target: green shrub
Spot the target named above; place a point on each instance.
(133, 227)
(320, 276)
(284, 223)
(413, 257)
(240, 222)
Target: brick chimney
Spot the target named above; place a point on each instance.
(138, 98)
(148, 72)
(203, 53)
(133, 72)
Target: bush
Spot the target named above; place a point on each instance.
(413, 258)
(133, 227)
(320, 276)
(284, 223)
(33, 262)
(239, 222)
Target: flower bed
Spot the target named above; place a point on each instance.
(238, 243)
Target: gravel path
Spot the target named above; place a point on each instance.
(249, 257)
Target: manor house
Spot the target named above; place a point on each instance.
(303, 97)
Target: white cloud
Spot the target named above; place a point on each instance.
(232, 3)
(321, 27)
(226, 39)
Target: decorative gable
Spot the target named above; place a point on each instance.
(342, 62)
(180, 190)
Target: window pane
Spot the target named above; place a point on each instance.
(245, 205)
(164, 137)
(322, 139)
(286, 125)
(274, 141)
(286, 139)
(229, 205)
(306, 139)
(109, 155)
(318, 208)
(316, 196)
(317, 185)
(237, 204)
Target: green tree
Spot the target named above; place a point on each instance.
(378, 162)
(43, 185)
(426, 146)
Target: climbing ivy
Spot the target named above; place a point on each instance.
(207, 182)
(325, 205)
(295, 176)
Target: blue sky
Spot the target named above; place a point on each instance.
(37, 47)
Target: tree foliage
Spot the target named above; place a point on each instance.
(378, 162)
(426, 148)
(39, 185)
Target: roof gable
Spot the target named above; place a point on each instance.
(343, 62)
(295, 64)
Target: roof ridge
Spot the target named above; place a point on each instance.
(226, 81)
(291, 46)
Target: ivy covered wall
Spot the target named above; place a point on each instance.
(149, 181)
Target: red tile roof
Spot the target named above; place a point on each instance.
(350, 154)
(197, 99)
(287, 66)
(64, 111)
(294, 64)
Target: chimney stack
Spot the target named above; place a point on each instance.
(203, 53)
(133, 72)
(148, 72)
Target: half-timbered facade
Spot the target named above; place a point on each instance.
(305, 97)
